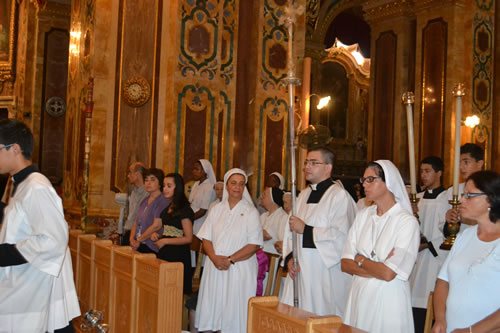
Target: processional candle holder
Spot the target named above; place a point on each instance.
(454, 228)
(93, 319)
(408, 99)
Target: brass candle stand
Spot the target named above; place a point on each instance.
(415, 200)
(453, 228)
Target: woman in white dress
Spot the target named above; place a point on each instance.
(467, 296)
(380, 252)
(231, 235)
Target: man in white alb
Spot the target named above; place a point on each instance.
(471, 160)
(325, 212)
(431, 208)
(37, 293)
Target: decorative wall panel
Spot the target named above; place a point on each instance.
(433, 106)
(206, 56)
(79, 68)
(271, 96)
(483, 72)
(136, 104)
(271, 147)
(384, 95)
(54, 105)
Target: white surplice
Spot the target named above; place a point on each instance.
(223, 296)
(375, 305)
(323, 286)
(274, 224)
(423, 276)
(38, 296)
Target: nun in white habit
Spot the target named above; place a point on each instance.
(231, 235)
(280, 178)
(202, 193)
(380, 253)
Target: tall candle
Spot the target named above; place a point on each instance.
(408, 99)
(458, 92)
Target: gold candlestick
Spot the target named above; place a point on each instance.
(453, 228)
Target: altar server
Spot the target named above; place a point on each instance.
(431, 208)
(325, 212)
(471, 160)
(37, 293)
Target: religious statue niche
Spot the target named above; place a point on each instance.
(344, 75)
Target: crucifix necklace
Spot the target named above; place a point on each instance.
(374, 238)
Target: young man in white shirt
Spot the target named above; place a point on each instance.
(37, 292)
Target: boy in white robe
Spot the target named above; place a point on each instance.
(37, 293)
(471, 160)
(431, 209)
(325, 212)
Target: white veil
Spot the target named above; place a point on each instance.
(395, 184)
(207, 167)
(246, 194)
(280, 177)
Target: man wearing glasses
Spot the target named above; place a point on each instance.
(325, 212)
(37, 293)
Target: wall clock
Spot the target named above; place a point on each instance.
(136, 91)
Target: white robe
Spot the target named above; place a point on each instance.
(274, 224)
(374, 305)
(223, 296)
(423, 276)
(200, 198)
(322, 285)
(38, 296)
(472, 270)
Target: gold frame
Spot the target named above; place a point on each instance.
(7, 67)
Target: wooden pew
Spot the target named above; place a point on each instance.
(73, 249)
(123, 275)
(266, 314)
(84, 269)
(159, 298)
(101, 287)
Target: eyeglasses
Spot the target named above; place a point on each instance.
(312, 162)
(6, 147)
(468, 195)
(369, 179)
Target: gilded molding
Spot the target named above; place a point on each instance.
(381, 10)
(7, 68)
(421, 5)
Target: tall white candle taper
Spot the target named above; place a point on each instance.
(408, 100)
(458, 92)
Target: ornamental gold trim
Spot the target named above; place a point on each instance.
(136, 91)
